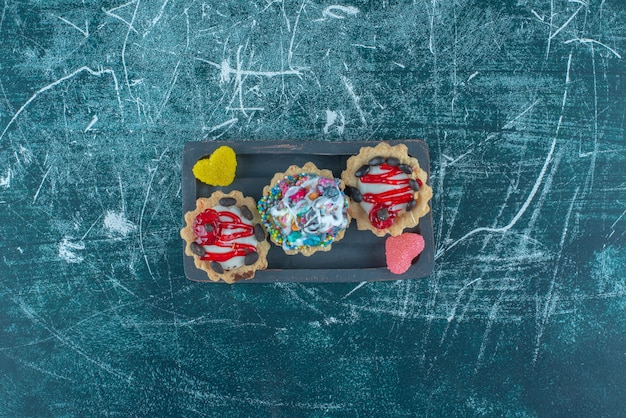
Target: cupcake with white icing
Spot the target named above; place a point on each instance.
(388, 189)
(225, 237)
(304, 210)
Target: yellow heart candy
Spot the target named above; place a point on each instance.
(218, 169)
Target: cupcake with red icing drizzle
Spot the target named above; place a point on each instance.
(304, 210)
(225, 237)
(388, 190)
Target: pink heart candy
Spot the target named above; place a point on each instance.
(401, 250)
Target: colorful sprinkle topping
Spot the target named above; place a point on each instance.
(305, 210)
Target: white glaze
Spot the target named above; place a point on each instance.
(379, 188)
(237, 261)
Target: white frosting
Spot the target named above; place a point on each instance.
(237, 261)
(379, 188)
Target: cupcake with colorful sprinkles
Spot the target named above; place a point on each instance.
(225, 237)
(304, 210)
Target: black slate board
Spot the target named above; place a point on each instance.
(359, 256)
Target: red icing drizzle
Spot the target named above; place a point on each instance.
(222, 222)
(387, 199)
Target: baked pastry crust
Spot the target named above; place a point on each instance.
(407, 219)
(229, 276)
(307, 168)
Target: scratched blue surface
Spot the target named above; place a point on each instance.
(523, 105)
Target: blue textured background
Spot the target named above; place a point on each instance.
(523, 105)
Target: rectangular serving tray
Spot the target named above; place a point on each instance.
(359, 256)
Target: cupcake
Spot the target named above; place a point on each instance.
(388, 190)
(225, 237)
(304, 209)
